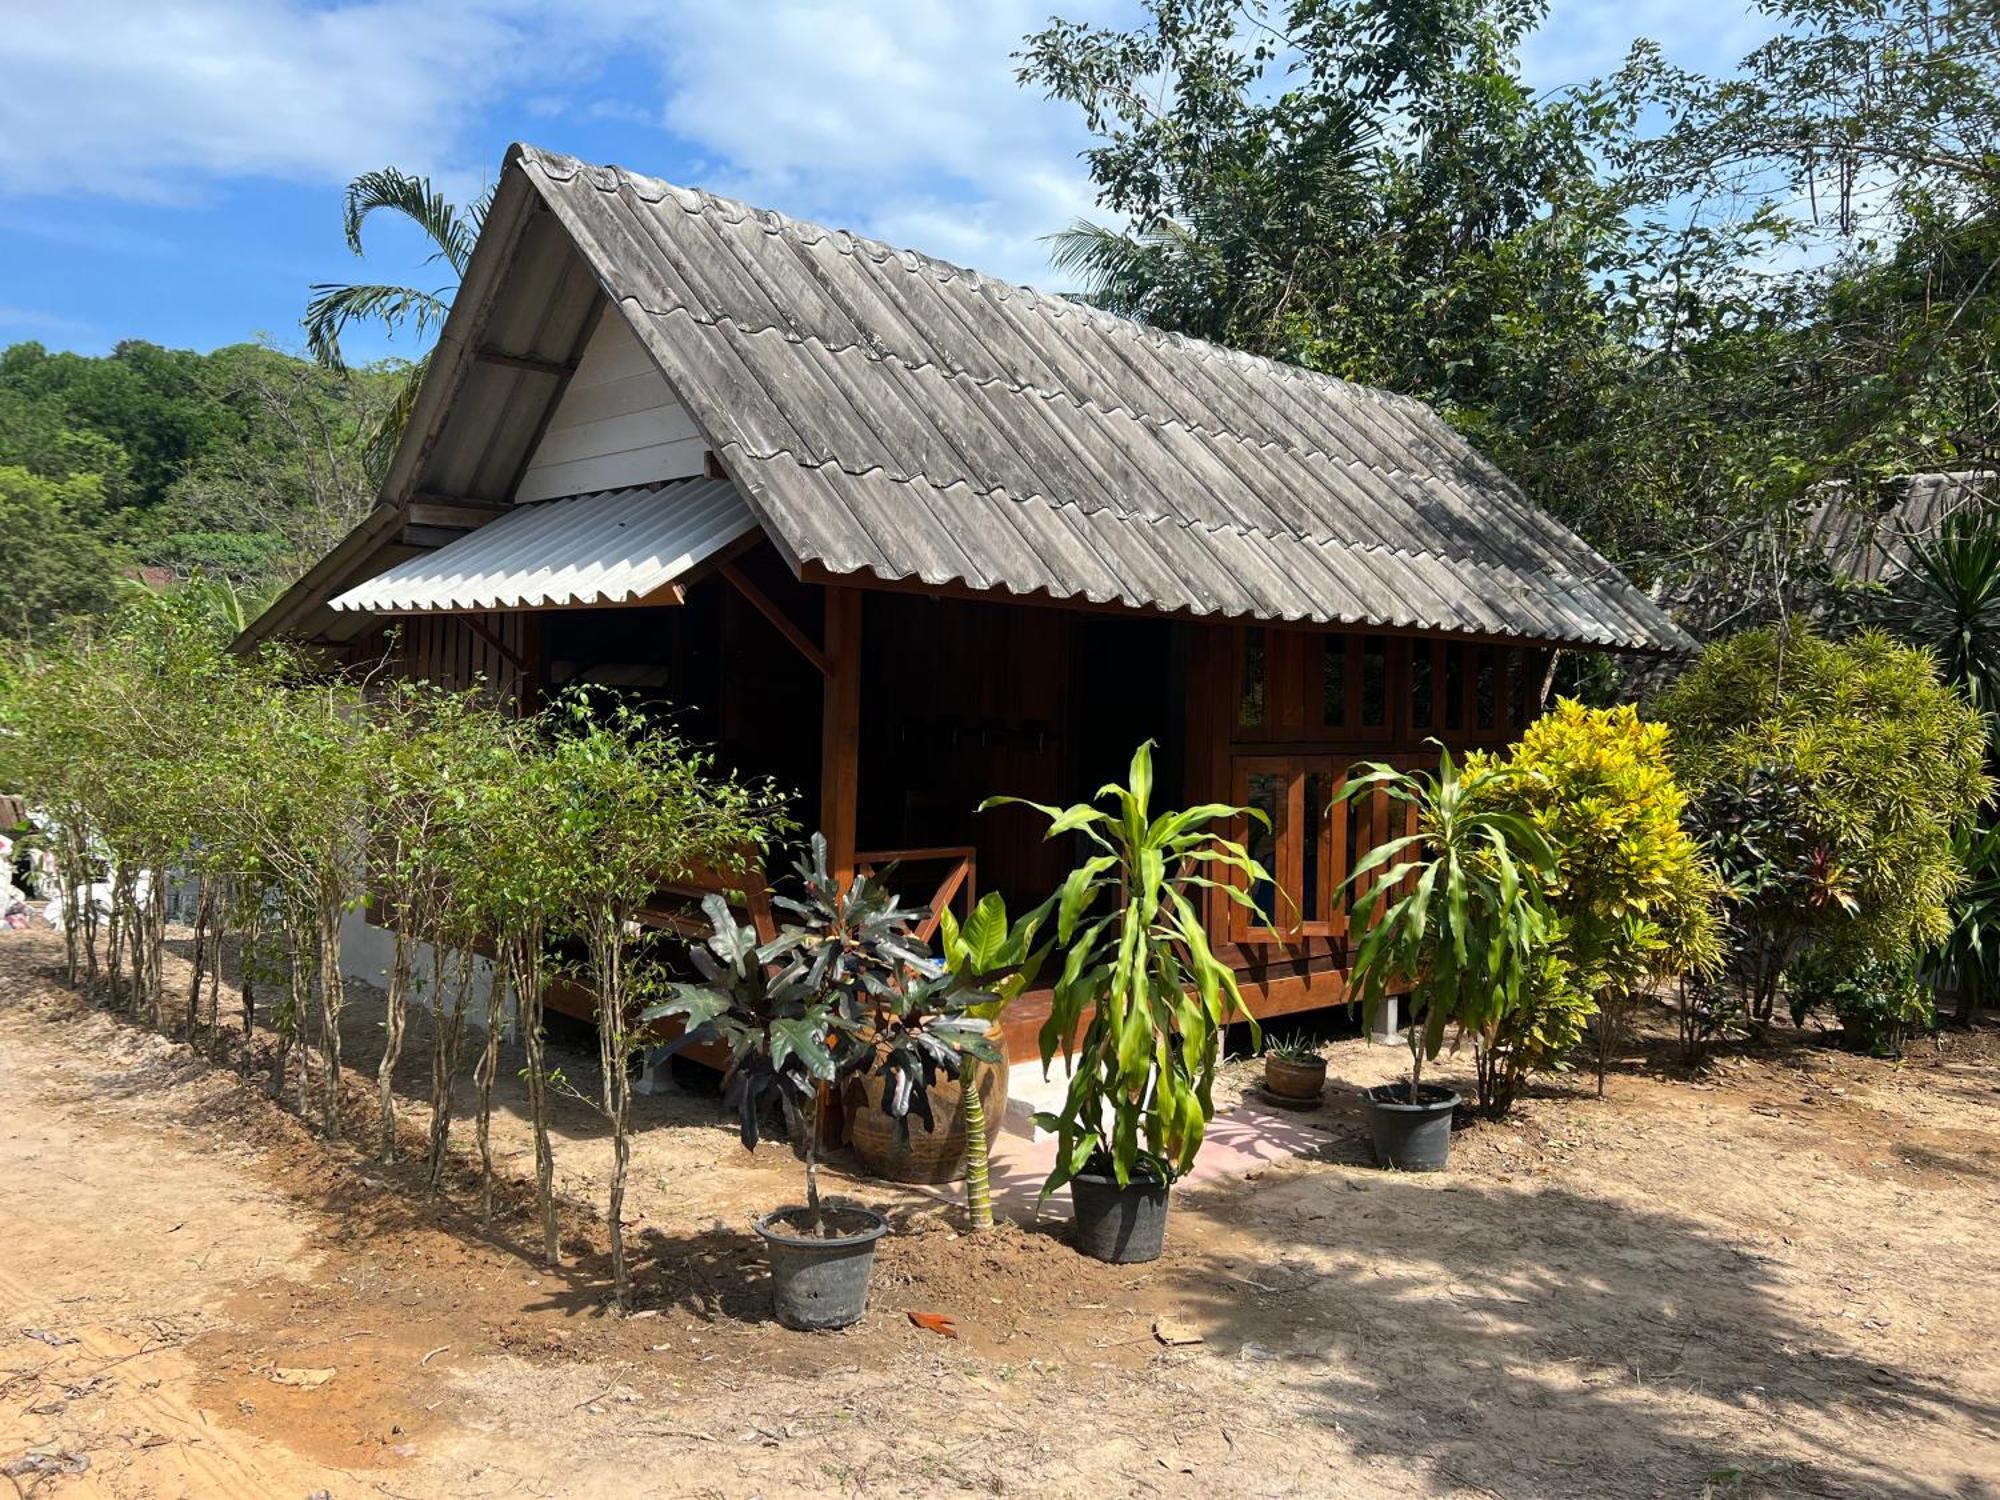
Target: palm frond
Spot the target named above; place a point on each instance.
(333, 305)
(453, 232)
(1116, 268)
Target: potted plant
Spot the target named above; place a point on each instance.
(845, 991)
(1149, 996)
(1294, 1071)
(1455, 916)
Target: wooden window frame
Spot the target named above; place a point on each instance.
(1289, 847)
(1294, 678)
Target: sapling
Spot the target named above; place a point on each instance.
(1003, 959)
(635, 807)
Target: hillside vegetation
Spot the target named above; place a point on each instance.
(244, 463)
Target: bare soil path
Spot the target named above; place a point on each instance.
(1776, 1280)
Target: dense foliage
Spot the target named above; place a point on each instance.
(845, 989)
(1636, 900)
(245, 464)
(1669, 304)
(1828, 779)
(151, 754)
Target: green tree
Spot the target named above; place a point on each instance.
(58, 561)
(1829, 779)
(1370, 188)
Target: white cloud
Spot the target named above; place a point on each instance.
(902, 120)
(149, 101)
(899, 118)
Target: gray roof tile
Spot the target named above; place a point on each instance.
(888, 412)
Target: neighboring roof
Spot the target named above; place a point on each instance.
(1871, 542)
(620, 547)
(890, 414)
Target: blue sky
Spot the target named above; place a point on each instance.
(171, 169)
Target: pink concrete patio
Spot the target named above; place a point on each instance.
(1240, 1140)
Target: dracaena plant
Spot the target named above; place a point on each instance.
(1136, 960)
(848, 988)
(1454, 913)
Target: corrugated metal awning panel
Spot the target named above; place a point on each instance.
(618, 547)
(862, 394)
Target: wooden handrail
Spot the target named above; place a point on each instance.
(963, 875)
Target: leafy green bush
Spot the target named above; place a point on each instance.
(1878, 1004)
(1827, 778)
(1536, 1034)
(1636, 900)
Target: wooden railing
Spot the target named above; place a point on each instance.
(961, 876)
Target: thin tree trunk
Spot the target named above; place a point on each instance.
(69, 893)
(527, 967)
(154, 925)
(483, 1074)
(332, 994)
(113, 941)
(447, 1033)
(611, 1047)
(394, 1025)
(220, 925)
(203, 915)
(251, 949)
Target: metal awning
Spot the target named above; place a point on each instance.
(619, 547)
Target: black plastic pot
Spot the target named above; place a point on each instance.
(1410, 1137)
(1124, 1225)
(821, 1281)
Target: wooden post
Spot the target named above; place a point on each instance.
(840, 730)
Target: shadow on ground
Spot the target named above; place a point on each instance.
(1542, 1343)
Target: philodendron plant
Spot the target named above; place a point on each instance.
(848, 988)
(1136, 960)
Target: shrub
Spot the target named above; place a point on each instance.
(1536, 1034)
(1878, 1004)
(1137, 962)
(1827, 778)
(1636, 900)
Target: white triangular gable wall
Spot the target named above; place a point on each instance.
(617, 424)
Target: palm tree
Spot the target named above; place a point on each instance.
(452, 231)
(1949, 600)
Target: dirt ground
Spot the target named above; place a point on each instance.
(1776, 1279)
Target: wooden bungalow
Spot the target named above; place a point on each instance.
(903, 536)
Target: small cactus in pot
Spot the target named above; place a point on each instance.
(1294, 1071)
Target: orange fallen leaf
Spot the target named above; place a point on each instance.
(935, 1322)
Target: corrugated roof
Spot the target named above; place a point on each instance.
(886, 412)
(1869, 539)
(618, 547)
